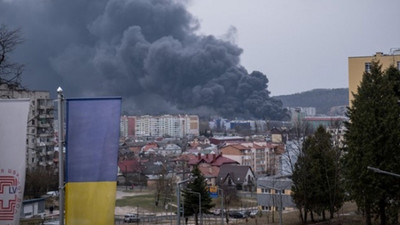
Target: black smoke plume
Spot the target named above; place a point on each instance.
(146, 51)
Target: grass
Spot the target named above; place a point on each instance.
(145, 200)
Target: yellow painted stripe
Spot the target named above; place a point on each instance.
(90, 203)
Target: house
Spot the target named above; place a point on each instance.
(225, 139)
(33, 208)
(272, 191)
(242, 177)
(210, 173)
(208, 164)
(262, 157)
(212, 159)
(130, 172)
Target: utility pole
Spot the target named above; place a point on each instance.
(60, 97)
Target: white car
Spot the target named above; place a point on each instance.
(129, 218)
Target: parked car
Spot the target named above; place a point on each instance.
(253, 213)
(217, 212)
(129, 218)
(237, 214)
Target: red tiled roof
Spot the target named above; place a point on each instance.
(149, 146)
(129, 166)
(208, 170)
(214, 160)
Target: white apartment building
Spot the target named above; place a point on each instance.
(171, 125)
(40, 134)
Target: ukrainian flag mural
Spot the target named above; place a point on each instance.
(92, 141)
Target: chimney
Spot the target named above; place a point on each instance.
(198, 156)
(206, 156)
(214, 156)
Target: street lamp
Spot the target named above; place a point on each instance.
(60, 98)
(178, 197)
(280, 197)
(201, 215)
(222, 205)
(376, 170)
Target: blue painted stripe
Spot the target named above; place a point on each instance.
(92, 139)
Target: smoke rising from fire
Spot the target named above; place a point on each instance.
(146, 51)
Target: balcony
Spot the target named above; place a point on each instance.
(44, 125)
(46, 116)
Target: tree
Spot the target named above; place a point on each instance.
(38, 181)
(191, 202)
(9, 71)
(164, 189)
(316, 178)
(372, 139)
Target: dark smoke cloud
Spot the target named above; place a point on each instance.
(143, 50)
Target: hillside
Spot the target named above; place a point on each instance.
(322, 99)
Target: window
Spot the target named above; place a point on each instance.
(266, 190)
(368, 67)
(398, 65)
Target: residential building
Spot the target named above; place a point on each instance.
(226, 139)
(325, 121)
(40, 134)
(360, 64)
(274, 192)
(33, 208)
(242, 177)
(127, 126)
(221, 124)
(208, 164)
(262, 157)
(166, 125)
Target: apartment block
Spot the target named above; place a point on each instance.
(40, 133)
(159, 126)
(360, 64)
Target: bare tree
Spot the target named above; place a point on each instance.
(9, 71)
(297, 135)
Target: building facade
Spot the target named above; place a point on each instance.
(360, 64)
(40, 134)
(159, 126)
(262, 157)
(274, 194)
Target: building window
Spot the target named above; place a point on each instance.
(398, 65)
(266, 190)
(368, 67)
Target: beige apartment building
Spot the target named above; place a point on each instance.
(159, 126)
(262, 157)
(359, 64)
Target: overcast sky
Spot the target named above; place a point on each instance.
(302, 44)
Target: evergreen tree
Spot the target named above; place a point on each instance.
(316, 178)
(191, 199)
(372, 139)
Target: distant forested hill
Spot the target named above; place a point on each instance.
(322, 99)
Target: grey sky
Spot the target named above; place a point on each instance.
(302, 45)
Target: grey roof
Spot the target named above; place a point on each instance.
(274, 183)
(236, 172)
